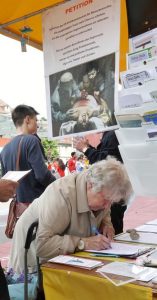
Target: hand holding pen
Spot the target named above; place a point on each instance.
(97, 242)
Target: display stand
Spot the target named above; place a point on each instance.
(136, 114)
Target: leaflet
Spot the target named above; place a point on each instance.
(76, 261)
(15, 175)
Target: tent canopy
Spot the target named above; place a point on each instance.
(15, 15)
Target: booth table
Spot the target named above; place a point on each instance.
(62, 282)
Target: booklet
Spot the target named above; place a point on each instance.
(122, 250)
(76, 261)
(15, 175)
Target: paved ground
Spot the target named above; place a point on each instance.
(140, 211)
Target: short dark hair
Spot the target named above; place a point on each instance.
(73, 153)
(20, 112)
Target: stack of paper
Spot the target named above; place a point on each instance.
(76, 261)
(123, 250)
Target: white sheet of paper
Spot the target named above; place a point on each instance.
(15, 175)
(121, 249)
(147, 228)
(145, 238)
(129, 270)
(76, 261)
(153, 222)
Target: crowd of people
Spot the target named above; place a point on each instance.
(90, 190)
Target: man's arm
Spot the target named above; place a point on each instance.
(54, 219)
(90, 152)
(108, 146)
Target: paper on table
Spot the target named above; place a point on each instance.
(147, 228)
(153, 222)
(15, 175)
(145, 238)
(76, 261)
(122, 249)
(130, 270)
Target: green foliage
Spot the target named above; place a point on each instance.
(51, 148)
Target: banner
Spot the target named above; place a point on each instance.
(81, 44)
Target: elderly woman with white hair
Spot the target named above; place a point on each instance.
(70, 213)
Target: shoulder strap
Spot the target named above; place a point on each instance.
(18, 154)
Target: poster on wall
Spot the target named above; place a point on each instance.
(81, 47)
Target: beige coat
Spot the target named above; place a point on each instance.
(64, 216)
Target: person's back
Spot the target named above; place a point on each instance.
(107, 146)
(31, 156)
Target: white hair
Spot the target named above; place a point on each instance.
(110, 175)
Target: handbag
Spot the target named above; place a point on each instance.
(16, 208)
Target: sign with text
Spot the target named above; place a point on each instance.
(81, 43)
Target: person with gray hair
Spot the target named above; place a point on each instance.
(71, 211)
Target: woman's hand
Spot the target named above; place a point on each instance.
(96, 242)
(109, 232)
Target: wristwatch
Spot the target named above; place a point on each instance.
(81, 245)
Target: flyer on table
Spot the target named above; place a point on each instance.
(81, 47)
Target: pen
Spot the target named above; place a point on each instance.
(104, 254)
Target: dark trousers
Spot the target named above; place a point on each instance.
(4, 294)
(117, 214)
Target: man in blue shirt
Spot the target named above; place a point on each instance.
(31, 156)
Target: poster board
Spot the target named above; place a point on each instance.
(81, 56)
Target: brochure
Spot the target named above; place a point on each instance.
(76, 261)
(15, 175)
